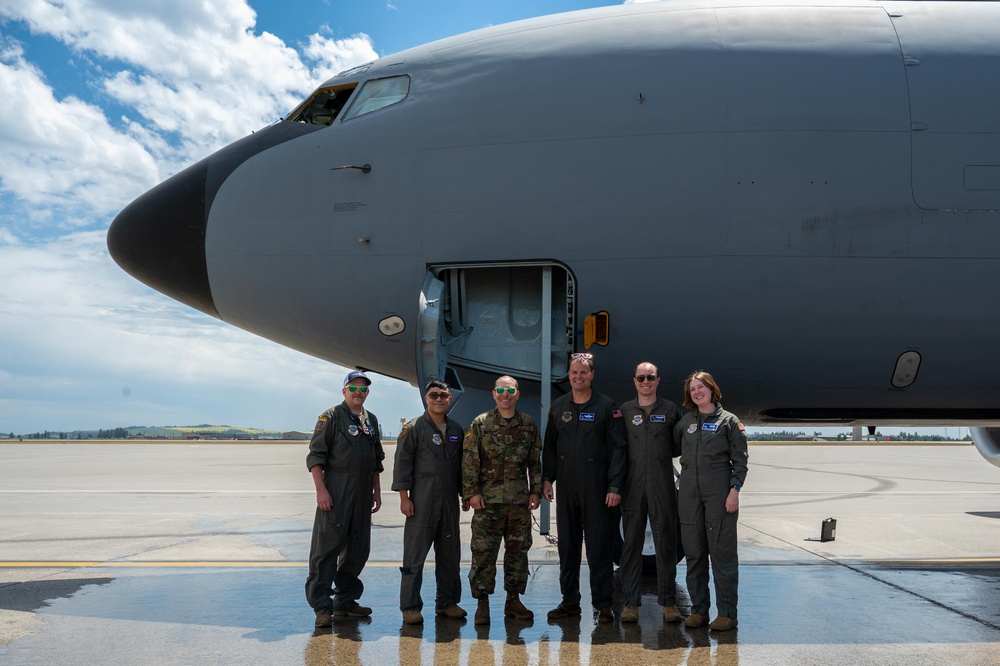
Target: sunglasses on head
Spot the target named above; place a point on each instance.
(354, 389)
(584, 355)
(438, 396)
(645, 378)
(510, 390)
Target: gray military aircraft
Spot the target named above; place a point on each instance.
(801, 197)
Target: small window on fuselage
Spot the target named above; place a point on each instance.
(378, 94)
(324, 106)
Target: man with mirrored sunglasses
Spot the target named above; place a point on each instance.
(502, 481)
(649, 493)
(345, 459)
(427, 473)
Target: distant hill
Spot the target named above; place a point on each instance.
(169, 432)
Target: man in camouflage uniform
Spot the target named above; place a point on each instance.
(502, 481)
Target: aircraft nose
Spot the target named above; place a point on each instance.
(159, 239)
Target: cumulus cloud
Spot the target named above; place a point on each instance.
(192, 76)
(82, 345)
(62, 154)
(107, 347)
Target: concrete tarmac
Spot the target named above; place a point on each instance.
(196, 553)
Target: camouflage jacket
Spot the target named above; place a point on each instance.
(501, 459)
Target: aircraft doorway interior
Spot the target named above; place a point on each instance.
(490, 318)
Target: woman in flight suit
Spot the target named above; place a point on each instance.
(713, 469)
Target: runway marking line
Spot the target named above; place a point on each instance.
(195, 564)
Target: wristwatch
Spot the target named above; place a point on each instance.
(737, 487)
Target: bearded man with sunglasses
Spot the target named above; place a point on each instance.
(502, 481)
(427, 473)
(345, 459)
(649, 492)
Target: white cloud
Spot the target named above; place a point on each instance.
(63, 153)
(195, 76)
(332, 56)
(82, 345)
(79, 333)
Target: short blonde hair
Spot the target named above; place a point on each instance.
(705, 379)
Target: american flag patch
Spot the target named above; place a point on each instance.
(616, 413)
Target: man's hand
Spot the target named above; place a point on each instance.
(613, 499)
(476, 502)
(465, 505)
(406, 506)
(323, 499)
(547, 491)
(376, 500)
(733, 501)
(534, 501)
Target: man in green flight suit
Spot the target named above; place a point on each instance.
(427, 473)
(345, 458)
(502, 481)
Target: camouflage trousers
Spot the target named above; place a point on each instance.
(512, 523)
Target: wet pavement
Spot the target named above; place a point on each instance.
(181, 567)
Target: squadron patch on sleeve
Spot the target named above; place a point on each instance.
(693, 428)
(657, 418)
(352, 430)
(321, 424)
(402, 431)
(437, 439)
(739, 424)
(637, 419)
(616, 413)
(567, 417)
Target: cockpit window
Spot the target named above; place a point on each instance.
(324, 106)
(378, 94)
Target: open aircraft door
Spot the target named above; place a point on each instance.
(497, 318)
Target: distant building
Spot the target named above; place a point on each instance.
(297, 435)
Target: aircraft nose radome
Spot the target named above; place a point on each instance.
(159, 239)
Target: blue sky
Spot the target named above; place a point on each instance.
(103, 99)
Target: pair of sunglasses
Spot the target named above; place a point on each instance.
(354, 389)
(438, 396)
(509, 389)
(645, 378)
(582, 355)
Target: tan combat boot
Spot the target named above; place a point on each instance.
(483, 612)
(515, 609)
(671, 614)
(413, 616)
(695, 620)
(723, 623)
